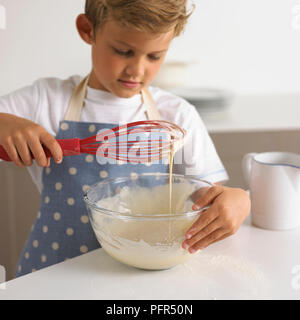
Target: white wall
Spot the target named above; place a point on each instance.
(40, 40)
(248, 46)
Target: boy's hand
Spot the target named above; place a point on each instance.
(228, 209)
(20, 136)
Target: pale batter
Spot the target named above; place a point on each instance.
(146, 244)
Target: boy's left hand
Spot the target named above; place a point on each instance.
(228, 209)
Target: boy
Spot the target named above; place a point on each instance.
(129, 41)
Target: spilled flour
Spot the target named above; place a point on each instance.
(223, 276)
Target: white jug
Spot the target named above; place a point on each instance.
(274, 182)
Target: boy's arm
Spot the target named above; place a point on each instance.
(21, 137)
(228, 209)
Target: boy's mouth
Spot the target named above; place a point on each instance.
(129, 84)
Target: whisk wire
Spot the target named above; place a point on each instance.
(108, 143)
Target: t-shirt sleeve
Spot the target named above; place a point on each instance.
(198, 157)
(22, 102)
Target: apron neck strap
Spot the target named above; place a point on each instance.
(151, 107)
(76, 103)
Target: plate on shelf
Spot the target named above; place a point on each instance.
(204, 99)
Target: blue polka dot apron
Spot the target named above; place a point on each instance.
(62, 229)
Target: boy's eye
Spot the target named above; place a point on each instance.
(130, 53)
(152, 57)
(123, 53)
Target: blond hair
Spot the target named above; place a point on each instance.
(155, 16)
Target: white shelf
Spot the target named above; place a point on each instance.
(256, 113)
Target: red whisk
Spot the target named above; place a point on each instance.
(152, 140)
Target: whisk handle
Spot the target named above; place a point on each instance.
(70, 147)
(3, 155)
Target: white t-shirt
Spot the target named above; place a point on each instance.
(47, 100)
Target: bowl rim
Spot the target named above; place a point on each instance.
(134, 216)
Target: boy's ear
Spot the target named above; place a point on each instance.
(85, 28)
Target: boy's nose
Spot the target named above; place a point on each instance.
(135, 70)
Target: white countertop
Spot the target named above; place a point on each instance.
(255, 113)
(252, 264)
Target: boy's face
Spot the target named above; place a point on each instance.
(125, 61)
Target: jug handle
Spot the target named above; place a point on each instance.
(247, 166)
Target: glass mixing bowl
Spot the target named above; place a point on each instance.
(132, 221)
